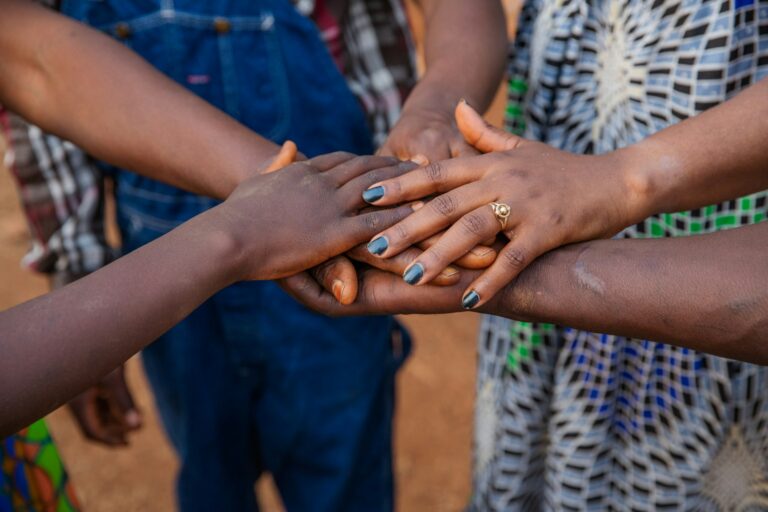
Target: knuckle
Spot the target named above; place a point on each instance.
(365, 160)
(400, 231)
(386, 160)
(497, 162)
(444, 205)
(514, 258)
(394, 189)
(300, 285)
(373, 176)
(521, 174)
(323, 271)
(433, 256)
(534, 194)
(434, 172)
(474, 223)
(431, 136)
(373, 221)
(369, 296)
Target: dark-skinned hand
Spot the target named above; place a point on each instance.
(555, 198)
(308, 213)
(338, 275)
(106, 413)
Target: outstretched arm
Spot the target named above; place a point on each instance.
(704, 292)
(81, 85)
(55, 346)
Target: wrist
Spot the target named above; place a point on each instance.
(225, 245)
(436, 102)
(640, 187)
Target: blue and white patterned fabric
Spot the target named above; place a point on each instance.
(570, 420)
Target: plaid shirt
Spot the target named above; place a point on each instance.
(370, 41)
(61, 193)
(61, 188)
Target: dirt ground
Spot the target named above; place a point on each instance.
(433, 419)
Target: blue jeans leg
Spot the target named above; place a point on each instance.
(204, 408)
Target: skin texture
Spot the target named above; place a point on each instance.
(54, 346)
(557, 198)
(703, 292)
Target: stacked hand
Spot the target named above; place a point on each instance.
(419, 137)
(553, 197)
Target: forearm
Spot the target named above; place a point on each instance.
(704, 292)
(80, 84)
(465, 51)
(715, 156)
(55, 346)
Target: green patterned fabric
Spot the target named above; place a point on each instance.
(32, 475)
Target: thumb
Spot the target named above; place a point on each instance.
(286, 156)
(339, 277)
(478, 133)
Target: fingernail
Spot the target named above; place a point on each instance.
(133, 418)
(373, 194)
(480, 252)
(414, 273)
(470, 300)
(418, 205)
(378, 245)
(420, 160)
(449, 272)
(338, 289)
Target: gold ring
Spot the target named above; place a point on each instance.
(501, 211)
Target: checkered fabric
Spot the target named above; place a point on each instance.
(61, 194)
(372, 44)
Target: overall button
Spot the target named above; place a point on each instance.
(222, 25)
(122, 30)
(268, 22)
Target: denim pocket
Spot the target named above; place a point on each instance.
(200, 49)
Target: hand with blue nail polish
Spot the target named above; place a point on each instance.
(307, 213)
(526, 196)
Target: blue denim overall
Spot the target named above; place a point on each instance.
(252, 380)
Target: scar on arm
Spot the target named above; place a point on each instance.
(586, 279)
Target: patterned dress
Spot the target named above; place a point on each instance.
(572, 420)
(32, 477)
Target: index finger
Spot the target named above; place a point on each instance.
(439, 176)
